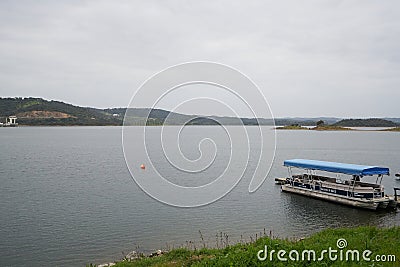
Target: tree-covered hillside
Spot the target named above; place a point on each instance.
(54, 113)
(374, 122)
(38, 111)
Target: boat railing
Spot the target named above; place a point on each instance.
(364, 184)
(351, 186)
(308, 177)
(312, 177)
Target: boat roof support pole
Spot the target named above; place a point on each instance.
(395, 193)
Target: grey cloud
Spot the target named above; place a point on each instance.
(310, 58)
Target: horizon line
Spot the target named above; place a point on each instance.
(244, 117)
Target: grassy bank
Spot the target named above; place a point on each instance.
(316, 128)
(397, 129)
(291, 127)
(380, 241)
(331, 128)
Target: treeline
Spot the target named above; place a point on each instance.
(373, 122)
(26, 109)
(76, 115)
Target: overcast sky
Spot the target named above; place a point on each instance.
(309, 58)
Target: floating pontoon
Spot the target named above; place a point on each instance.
(351, 191)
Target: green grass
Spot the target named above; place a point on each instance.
(316, 128)
(29, 104)
(396, 129)
(331, 128)
(381, 241)
(291, 127)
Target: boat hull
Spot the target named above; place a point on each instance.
(371, 204)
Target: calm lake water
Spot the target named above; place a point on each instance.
(67, 197)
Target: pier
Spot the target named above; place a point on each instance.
(280, 181)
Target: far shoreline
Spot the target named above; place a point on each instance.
(315, 128)
(325, 128)
(337, 128)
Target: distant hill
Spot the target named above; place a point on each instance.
(38, 111)
(396, 120)
(374, 122)
(310, 121)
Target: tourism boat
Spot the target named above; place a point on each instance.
(351, 191)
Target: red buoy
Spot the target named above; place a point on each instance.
(142, 167)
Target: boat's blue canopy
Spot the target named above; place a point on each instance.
(336, 167)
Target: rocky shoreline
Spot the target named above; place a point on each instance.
(132, 256)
